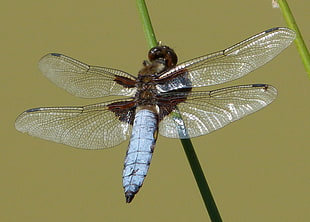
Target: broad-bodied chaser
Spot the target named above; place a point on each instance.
(161, 89)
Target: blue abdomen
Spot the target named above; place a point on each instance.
(139, 153)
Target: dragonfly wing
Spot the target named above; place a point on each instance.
(229, 64)
(86, 81)
(89, 127)
(204, 112)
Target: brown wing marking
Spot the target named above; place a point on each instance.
(124, 81)
(174, 81)
(167, 102)
(124, 110)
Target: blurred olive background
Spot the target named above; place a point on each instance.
(258, 167)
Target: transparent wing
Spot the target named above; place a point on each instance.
(204, 112)
(88, 127)
(229, 64)
(86, 81)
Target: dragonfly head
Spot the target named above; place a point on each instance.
(164, 55)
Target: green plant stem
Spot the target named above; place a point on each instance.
(201, 181)
(187, 144)
(146, 23)
(291, 23)
(196, 168)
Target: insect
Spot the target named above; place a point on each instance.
(161, 88)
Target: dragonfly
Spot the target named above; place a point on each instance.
(161, 89)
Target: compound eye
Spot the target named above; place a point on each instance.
(171, 58)
(163, 53)
(156, 53)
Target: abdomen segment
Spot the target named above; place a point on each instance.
(139, 153)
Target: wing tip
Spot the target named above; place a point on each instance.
(279, 28)
(32, 110)
(265, 87)
(290, 33)
(55, 54)
(275, 29)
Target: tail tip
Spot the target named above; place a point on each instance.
(129, 196)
